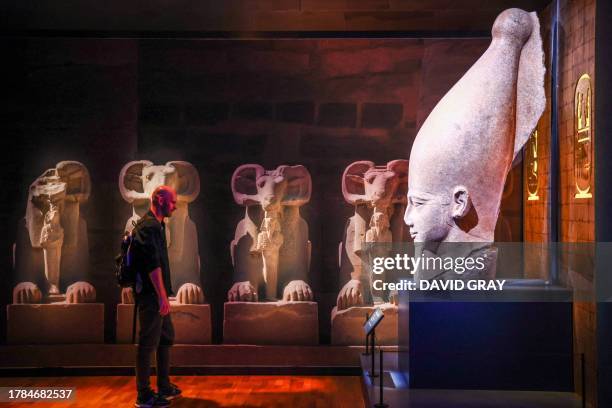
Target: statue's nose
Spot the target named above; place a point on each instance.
(407, 216)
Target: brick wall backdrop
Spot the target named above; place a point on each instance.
(218, 104)
(577, 223)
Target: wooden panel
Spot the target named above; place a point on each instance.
(577, 57)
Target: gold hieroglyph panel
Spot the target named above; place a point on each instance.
(583, 138)
(531, 160)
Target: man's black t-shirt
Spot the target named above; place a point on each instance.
(151, 252)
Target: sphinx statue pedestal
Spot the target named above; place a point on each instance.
(55, 323)
(271, 323)
(347, 325)
(191, 323)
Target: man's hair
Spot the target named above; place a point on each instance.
(162, 191)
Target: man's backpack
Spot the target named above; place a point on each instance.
(125, 271)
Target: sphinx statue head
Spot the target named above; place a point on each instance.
(375, 186)
(43, 213)
(464, 150)
(271, 189)
(138, 179)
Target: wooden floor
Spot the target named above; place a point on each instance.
(207, 391)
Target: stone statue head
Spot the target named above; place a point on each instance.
(376, 186)
(283, 186)
(45, 204)
(139, 179)
(464, 150)
(66, 185)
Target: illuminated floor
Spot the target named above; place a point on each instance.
(209, 391)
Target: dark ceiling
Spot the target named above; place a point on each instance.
(240, 17)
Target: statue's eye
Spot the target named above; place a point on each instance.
(416, 203)
(261, 183)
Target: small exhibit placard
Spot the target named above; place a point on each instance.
(373, 320)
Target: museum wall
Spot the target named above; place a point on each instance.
(218, 104)
(577, 215)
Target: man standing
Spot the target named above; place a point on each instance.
(151, 294)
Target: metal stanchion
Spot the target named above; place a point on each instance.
(367, 339)
(381, 403)
(369, 328)
(373, 351)
(583, 379)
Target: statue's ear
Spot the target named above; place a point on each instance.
(244, 187)
(299, 185)
(353, 188)
(188, 180)
(76, 177)
(460, 202)
(400, 168)
(130, 181)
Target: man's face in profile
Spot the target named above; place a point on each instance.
(167, 202)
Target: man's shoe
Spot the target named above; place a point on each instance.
(170, 392)
(151, 400)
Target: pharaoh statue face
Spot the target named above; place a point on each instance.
(436, 217)
(426, 217)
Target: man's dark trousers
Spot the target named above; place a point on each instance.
(156, 334)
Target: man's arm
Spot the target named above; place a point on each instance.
(162, 296)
